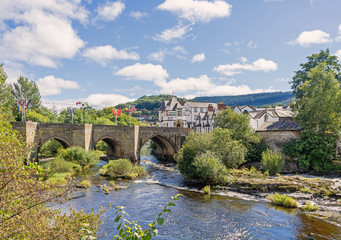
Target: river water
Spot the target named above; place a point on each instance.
(196, 216)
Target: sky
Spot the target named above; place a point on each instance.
(111, 52)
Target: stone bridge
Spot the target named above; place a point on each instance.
(122, 141)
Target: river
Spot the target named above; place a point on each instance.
(196, 216)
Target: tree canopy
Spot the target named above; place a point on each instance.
(302, 75)
(26, 90)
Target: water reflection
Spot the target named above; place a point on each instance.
(198, 216)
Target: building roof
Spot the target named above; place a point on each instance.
(201, 105)
(279, 126)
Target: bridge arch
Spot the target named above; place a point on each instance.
(165, 148)
(65, 143)
(114, 146)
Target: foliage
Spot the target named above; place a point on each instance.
(230, 152)
(282, 200)
(130, 230)
(23, 195)
(209, 168)
(25, 89)
(122, 168)
(6, 97)
(80, 156)
(85, 183)
(102, 121)
(195, 145)
(254, 153)
(257, 99)
(50, 148)
(302, 75)
(59, 165)
(207, 189)
(101, 146)
(36, 117)
(239, 126)
(319, 110)
(272, 161)
(319, 107)
(310, 207)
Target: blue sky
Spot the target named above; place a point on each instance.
(108, 52)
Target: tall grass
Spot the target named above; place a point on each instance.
(283, 200)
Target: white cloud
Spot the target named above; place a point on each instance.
(178, 51)
(110, 11)
(103, 54)
(243, 59)
(197, 11)
(204, 86)
(41, 32)
(237, 68)
(251, 44)
(138, 15)
(144, 72)
(107, 99)
(198, 57)
(273, 0)
(169, 35)
(50, 85)
(338, 54)
(285, 80)
(338, 38)
(307, 38)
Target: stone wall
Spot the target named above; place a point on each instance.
(275, 139)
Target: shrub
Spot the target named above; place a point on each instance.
(112, 183)
(85, 184)
(282, 200)
(209, 169)
(59, 165)
(310, 207)
(272, 161)
(207, 189)
(80, 156)
(103, 121)
(122, 168)
(50, 148)
(101, 146)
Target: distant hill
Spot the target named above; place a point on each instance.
(257, 99)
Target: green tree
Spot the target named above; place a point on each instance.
(26, 91)
(23, 195)
(302, 75)
(6, 97)
(36, 117)
(319, 115)
(238, 125)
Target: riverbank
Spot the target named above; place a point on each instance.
(253, 185)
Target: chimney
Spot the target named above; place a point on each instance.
(182, 102)
(210, 108)
(221, 106)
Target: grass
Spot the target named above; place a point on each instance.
(310, 207)
(306, 190)
(207, 189)
(112, 183)
(283, 200)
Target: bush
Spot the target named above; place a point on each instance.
(102, 146)
(102, 121)
(195, 145)
(122, 168)
(85, 184)
(50, 148)
(207, 189)
(209, 169)
(272, 161)
(230, 152)
(310, 207)
(282, 200)
(80, 156)
(59, 165)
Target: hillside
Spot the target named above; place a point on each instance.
(258, 99)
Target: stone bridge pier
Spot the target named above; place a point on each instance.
(122, 141)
